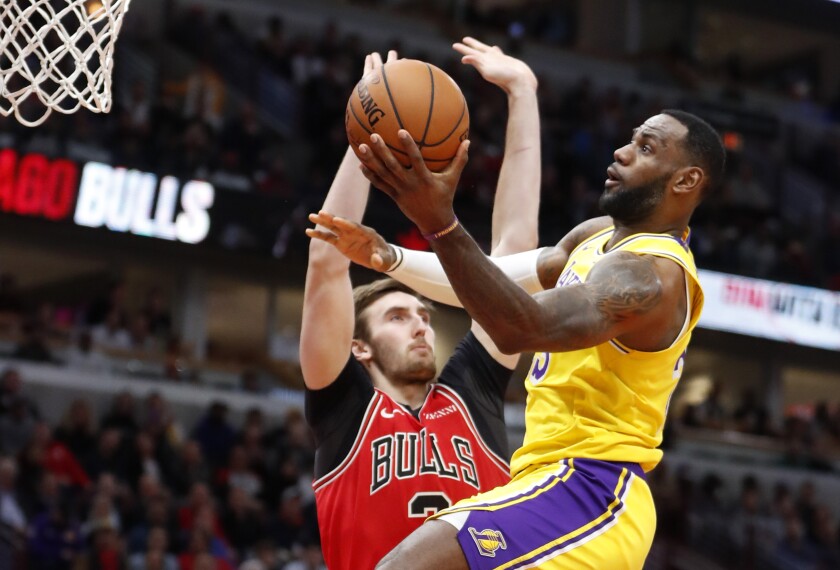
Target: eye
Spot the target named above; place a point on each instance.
(396, 317)
(646, 148)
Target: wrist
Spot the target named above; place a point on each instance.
(396, 258)
(525, 87)
(445, 230)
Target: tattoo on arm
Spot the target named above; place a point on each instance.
(625, 287)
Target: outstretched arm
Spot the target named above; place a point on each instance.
(328, 321)
(517, 202)
(420, 270)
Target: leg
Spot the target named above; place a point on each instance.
(432, 546)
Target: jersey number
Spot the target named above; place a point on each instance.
(423, 505)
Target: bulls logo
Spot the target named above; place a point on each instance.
(488, 541)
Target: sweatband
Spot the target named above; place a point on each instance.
(422, 271)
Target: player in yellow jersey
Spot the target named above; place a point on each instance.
(609, 336)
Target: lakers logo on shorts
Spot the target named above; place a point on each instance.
(488, 541)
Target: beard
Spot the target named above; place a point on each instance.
(405, 368)
(633, 204)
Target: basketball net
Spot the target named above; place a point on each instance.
(57, 55)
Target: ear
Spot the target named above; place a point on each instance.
(361, 351)
(689, 180)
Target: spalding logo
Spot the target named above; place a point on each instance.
(369, 106)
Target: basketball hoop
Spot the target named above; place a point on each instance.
(57, 55)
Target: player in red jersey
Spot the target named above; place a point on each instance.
(395, 441)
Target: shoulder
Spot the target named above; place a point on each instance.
(586, 229)
(626, 283)
(471, 365)
(553, 260)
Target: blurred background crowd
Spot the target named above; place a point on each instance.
(254, 104)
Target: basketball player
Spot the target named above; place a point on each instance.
(393, 445)
(609, 337)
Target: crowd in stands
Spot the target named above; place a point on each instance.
(113, 333)
(261, 112)
(135, 489)
(806, 437)
(744, 525)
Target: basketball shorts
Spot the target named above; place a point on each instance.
(578, 513)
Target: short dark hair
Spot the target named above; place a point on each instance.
(365, 295)
(703, 146)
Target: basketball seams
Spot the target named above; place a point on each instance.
(422, 142)
(449, 134)
(358, 129)
(370, 132)
(391, 98)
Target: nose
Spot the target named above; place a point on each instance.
(622, 154)
(421, 327)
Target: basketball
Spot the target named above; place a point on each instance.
(415, 96)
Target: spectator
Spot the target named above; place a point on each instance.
(310, 556)
(288, 523)
(54, 538)
(215, 435)
(793, 551)
(156, 515)
(102, 516)
(265, 557)
(198, 556)
(33, 345)
(111, 333)
(85, 356)
(192, 468)
(12, 517)
(156, 552)
(77, 430)
(17, 426)
(44, 453)
(106, 551)
(205, 96)
(242, 521)
(140, 338)
(122, 414)
(109, 456)
(239, 475)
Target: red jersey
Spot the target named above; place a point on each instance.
(401, 466)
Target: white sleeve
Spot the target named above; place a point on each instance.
(422, 271)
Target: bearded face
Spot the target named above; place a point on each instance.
(401, 342)
(411, 364)
(629, 204)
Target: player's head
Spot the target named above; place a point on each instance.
(393, 332)
(673, 160)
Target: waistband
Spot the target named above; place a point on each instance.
(600, 464)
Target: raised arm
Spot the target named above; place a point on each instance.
(517, 202)
(328, 321)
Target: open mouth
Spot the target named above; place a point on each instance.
(612, 178)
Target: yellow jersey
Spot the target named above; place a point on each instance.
(609, 401)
